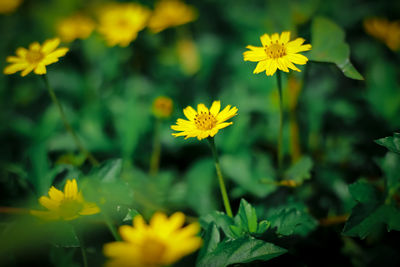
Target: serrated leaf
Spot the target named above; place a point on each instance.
(248, 216)
(364, 192)
(132, 213)
(220, 219)
(210, 241)
(292, 221)
(300, 171)
(263, 226)
(242, 250)
(391, 142)
(332, 50)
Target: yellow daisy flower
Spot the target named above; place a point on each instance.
(203, 122)
(386, 31)
(36, 58)
(162, 107)
(170, 13)
(77, 26)
(9, 6)
(67, 205)
(277, 52)
(160, 243)
(120, 23)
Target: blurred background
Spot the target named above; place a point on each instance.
(331, 121)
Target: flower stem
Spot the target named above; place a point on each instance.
(280, 137)
(220, 178)
(82, 246)
(110, 226)
(155, 156)
(68, 127)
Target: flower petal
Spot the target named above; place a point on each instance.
(56, 194)
(260, 66)
(48, 203)
(89, 209)
(13, 68)
(215, 108)
(255, 54)
(50, 45)
(71, 189)
(190, 113)
(40, 69)
(297, 59)
(265, 40)
(202, 108)
(285, 37)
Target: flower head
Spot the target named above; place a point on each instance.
(77, 26)
(120, 23)
(204, 122)
(277, 52)
(160, 243)
(9, 6)
(170, 13)
(36, 58)
(67, 205)
(162, 107)
(386, 31)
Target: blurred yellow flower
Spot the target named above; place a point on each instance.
(120, 23)
(36, 58)
(203, 122)
(188, 56)
(171, 13)
(277, 52)
(67, 205)
(386, 31)
(9, 6)
(162, 107)
(160, 243)
(77, 26)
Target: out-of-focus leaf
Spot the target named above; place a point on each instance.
(391, 142)
(335, 50)
(109, 171)
(391, 167)
(301, 170)
(364, 192)
(292, 220)
(210, 241)
(132, 213)
(62, 234)
(241, 250)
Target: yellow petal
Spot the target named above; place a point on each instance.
(27, 70)
(223, 125)
(215, 107)
(40, 69)
(60, 52)
(50, 45)
(158, 218)
(297, 59)
(12, 59)
(275, 38)
(13, 68)
(202, 108)
(271, 68)
(176, 221)
(285, 37)
(255, 55)
(281, 65)
(56, 194)
(34, 46)
(48, 203)
(71, 189)
(260, 66)
(265, 40)
(89, 209)
(190, 113)
(21, 52)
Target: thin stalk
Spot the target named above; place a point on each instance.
(110, 226)
(68, 127)
(280, 137)
(220, 178)
(82, 246)
(155, 156)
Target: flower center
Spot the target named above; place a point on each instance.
(205, 121)
(34, 56)
(70, 208)
(275, 50)
(152, 251)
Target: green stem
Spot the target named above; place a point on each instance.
(68, 127)
(110, 226)
(82, 246)
(155, 156)
(280, 137)
(220, 178)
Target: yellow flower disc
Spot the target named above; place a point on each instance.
(36, 58)
(277, 52)
(162, 107)
(204, 122)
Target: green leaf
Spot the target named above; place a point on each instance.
(221, 220)
(391, 167)
(364, 192)
(366, 219)
(210, 241)
(108, 171)
(62, 234)
(130, 215)
(300, 171)
(242, 250)
(248, 216)
(292, 220)
(328, 45)
(391, 143)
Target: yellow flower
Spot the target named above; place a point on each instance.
(120, 23)
(160, 243)
(35, 58)
(277, 52)
(170, 13)
(162, 107)
(385, 31)
(203, 122)
(67, 205)
(9, 6)
(74, 27)
(188, 56)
